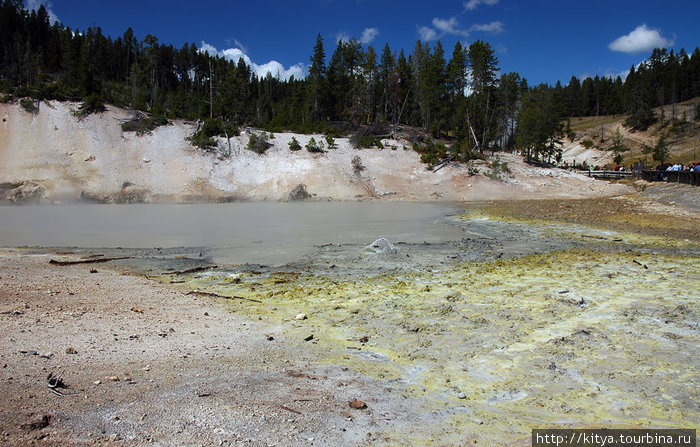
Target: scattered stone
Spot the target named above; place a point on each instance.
(358, 404)
(97, 382)
(300, 317)
(309, 338)
(112, 378)
(461, 395)
(71, 350)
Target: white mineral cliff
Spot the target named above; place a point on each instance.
(55, 156)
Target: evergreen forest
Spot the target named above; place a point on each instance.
(459, 94)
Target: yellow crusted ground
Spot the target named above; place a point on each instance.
(581, 337)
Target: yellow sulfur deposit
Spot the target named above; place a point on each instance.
(604, 334)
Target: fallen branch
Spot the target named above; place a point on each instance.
(195, 269)
(216, 295)
(284, 407)
(86, 261)
(443, 163)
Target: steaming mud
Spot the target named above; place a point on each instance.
(230, 233)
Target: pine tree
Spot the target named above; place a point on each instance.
(317, 74)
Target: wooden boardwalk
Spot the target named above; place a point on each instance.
(685, 177)
(608, 175)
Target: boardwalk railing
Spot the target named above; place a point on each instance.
(609, 174)
(686, 177)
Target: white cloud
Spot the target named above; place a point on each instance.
(342, 37)
(427, 34)
(451, 26)
(448, 26)
(472, 4)
(35, 4)
(493, 27)
(368, 35)
(640, 40)
(273, 67)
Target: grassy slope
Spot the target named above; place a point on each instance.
(684, 144)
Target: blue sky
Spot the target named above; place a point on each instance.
(543, 40)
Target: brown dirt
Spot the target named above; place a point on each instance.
(639, 213)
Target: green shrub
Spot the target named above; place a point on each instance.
(365, 141)
(431, 152)
(294, 145)
(314, 146)
(330, 141)
(144, 124)
(587, 144)
(258, 143)
(29, 106)
(6, 98)
(202, 141)
(496, 168)
(212, 127)
(92, 104)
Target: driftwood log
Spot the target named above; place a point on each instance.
(86, 261)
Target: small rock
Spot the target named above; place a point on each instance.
(206, 314)
(300, 317)
(461, 395)
(97, 382)
(309, 338)
(112, 378)
(146, 368)
(358, 404)
(71, 350)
